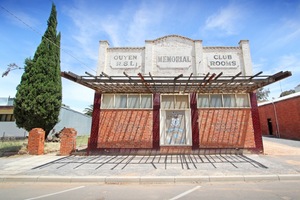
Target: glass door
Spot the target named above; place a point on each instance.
(175, 122)
(175, 133)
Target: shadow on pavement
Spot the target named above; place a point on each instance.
(166, 161)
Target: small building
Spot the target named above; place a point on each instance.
(67, 118)
(297, 88)
(175, 95)
(280, 117)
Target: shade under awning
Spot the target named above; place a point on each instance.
(209, 83)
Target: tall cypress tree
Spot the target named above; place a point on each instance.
(38, 98)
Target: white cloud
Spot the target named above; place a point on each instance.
(127, 27)
(86, 29)
(226, 20)
(111, 26)
(289, 62)
(130, 26)
(145, 22)
(283, 34)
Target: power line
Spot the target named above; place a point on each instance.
(46, 38)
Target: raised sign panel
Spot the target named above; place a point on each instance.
(125, 60)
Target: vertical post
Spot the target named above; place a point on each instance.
(256, 124)
(92, 144)
(195, 124)
(156, 120)
(36, 141)
(68, 141)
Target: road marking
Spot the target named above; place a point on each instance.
(185, 193)
(55, 193)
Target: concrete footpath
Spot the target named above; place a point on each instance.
(155, 168)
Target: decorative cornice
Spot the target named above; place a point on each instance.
(125, 48)
(172, 36)
(214, 48)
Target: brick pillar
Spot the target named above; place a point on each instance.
(36, 141)
(67, 141)
(195, 125)
(93, 140)
(156, 120)
(256, 124)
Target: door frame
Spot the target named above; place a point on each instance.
(188, 122)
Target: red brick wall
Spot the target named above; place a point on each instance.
(226, 128)
(288, 115)
(67, 141)
(266, 112)
(36, 141)
(175, 149)
(125, 129)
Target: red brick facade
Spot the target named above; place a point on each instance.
(212, 128)
(283, 117)
(125, 129)
(226, 128)
(175, 150)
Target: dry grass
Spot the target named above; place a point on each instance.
(12, 147)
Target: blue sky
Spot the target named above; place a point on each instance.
(271, 26)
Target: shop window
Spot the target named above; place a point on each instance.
(108, 101)
(167, 102)
(133, 101)
(242, 100)
(216, 101)
(174, 102)
(203, 100)
(229, 100)
(146, 101)
(120, 101)
(223, 101)
(126, 101)
(181, 101)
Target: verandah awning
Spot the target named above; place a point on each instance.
(209, 83)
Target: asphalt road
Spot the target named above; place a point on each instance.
(278, 190)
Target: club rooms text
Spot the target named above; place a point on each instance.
(222, 61)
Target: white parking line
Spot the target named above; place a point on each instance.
(55, 193)
(185, 193)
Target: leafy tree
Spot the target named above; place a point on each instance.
(284, 93)
(262, 94)
(89, 110)
(38, 98)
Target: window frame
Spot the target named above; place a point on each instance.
(114, 96)
(175, 102)
(223, 102)
(7, 118)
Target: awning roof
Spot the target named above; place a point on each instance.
(209, 83)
